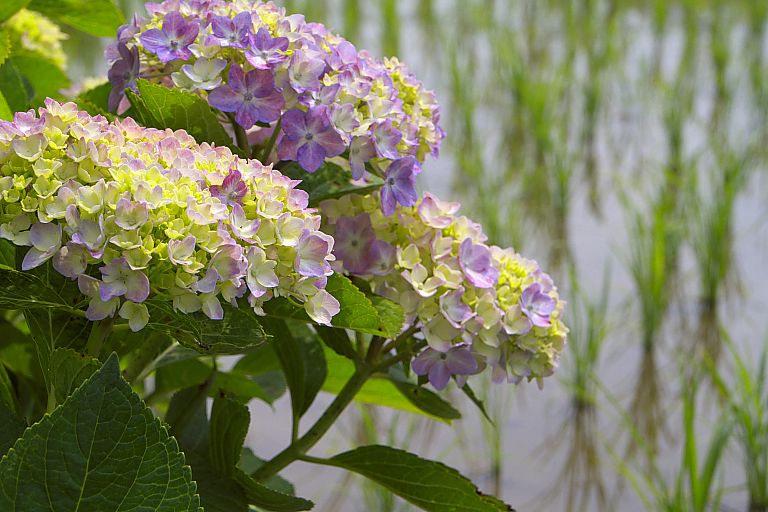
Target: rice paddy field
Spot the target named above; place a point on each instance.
(623, 144)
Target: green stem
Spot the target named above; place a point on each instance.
(299, 447)
(240, 136)
(271, 142)
(99, 333)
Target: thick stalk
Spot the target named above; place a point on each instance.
(100, 331)
(297, 449)
(240, 136)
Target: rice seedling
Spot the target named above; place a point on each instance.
(745, 398)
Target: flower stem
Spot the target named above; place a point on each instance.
(298, 448)
(240, 136)
(271, 142)
(99, 333)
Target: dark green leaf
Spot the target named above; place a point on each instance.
(261, 368)
(95, 101)
(160, 107)
(100, 18)
(238, 332)
(43, 75)
(228, 426)
(475, 400)
(430, 485)
(328, 182)
(426, 400)
(7, 255)
(242, 386)
(7, 394)
(9, 7)
(182, 374)
(68, 370)
(338, 340)
(25, 290)
(102, 449)
(249, 463)
(229, 491)
(11, 428)
(15, 88)
(302, 360)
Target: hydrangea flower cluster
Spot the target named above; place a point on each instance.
(271, 71)
(475, 305)
(36, 33)
(133, 213)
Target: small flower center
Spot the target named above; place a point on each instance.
(247, 96)
(309, 136)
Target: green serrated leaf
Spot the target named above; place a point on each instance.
(328, 182)
(430, 485)
(228, 426)
(238, 332)
(232, 490)
(302, 360)
(426, 400)
(475, 400)
(11, 426)
(24, 290)
(160, 107)
(9, 7)
(391, 314)
(102, 449)
(15, 88)
(100, 18)
(337, 340)
(69, 369)
(45, 78)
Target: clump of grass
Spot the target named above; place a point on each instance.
(746, 400)
(697, 482)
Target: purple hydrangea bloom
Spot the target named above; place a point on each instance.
(172, 42)
(251, 96)
(118, 279)
(354, 238)
(123, 74)
(361, 150)
(232, 32)
(440, 366)
(309, 137)
(264, 51)
(386, 138)
(476, 263)
(232, 189)
(311, 254)
(305, 71)
(400, 185)
(537, 305)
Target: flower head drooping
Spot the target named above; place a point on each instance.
(251, 59)
(138, 215)
(474, 305)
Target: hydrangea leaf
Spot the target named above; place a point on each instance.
(44, 76)
(476, 400)
(9, 7)
(15, 87)
(250, 462)
(302, 360)
(160, 107)
(11, 427)
(259, 368)
(100, 18)
(426, 400)
(221, 489)
(237, 332)
(24, 290)
(5, 110)
(330, 181)
(95, 100)
(376, 391)
(102, 449)
(429, 485)
(338, 341)
(69, 369)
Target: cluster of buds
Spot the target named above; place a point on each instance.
(35, 33)
(475, 305)
(270, 71)
(133, 213)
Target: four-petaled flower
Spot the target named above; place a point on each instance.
(264, 51)
(232, 189)
(476, 262)
(399, 185)
(537, 305)
(251, 96)
(231, 32)
(309, 137)
(173, 40)
(440, 366)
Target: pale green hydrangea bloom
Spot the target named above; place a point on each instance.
(36, 33)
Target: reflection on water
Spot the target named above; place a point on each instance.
(590, 134)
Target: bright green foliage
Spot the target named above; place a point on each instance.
(96, 17)
(430, 485)
(100, 450)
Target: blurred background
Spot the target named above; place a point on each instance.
(622, 144)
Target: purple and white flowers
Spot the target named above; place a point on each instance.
(158, 217)
(473, 305)
(275, 72)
